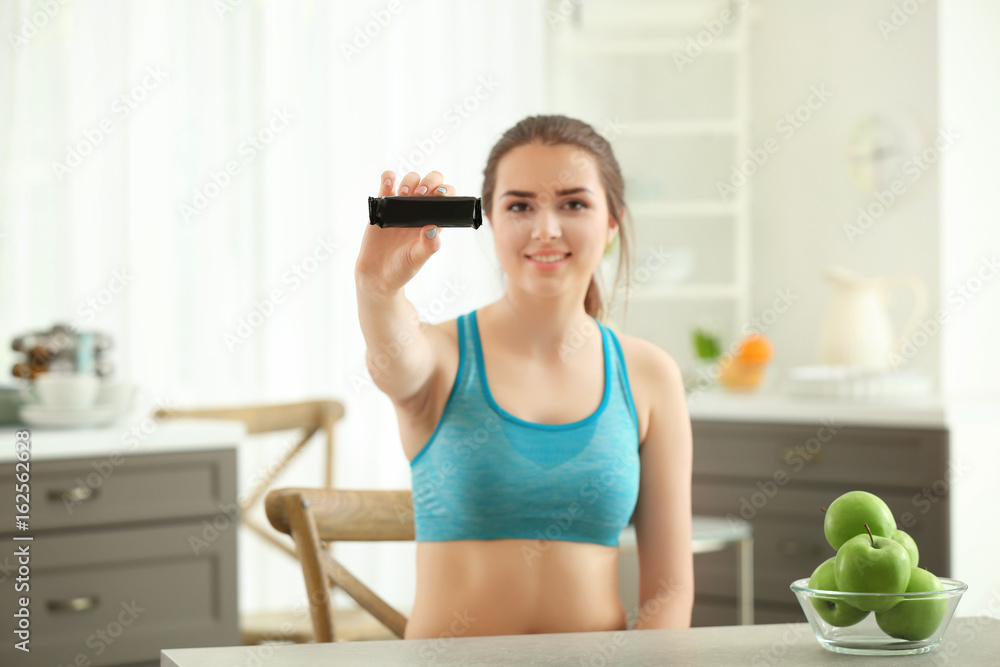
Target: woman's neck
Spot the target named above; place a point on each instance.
(541, 328)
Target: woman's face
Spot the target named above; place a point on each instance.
(549, 201)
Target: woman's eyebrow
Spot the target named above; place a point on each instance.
(531, 195)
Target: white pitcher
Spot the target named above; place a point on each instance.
(858, 331)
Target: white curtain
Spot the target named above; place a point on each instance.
(192, 178)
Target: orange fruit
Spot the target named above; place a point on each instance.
(739, 376)
(755, 349)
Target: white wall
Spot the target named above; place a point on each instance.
(803, 196)
(970, 209)
(969, 234)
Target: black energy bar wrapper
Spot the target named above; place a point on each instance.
(423, 211)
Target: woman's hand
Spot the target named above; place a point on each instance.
(391, 256)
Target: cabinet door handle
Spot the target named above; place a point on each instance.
(793, 548)
(77, 494)
(75, 605)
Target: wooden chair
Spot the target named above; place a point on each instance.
(315, 516)
(311, 417)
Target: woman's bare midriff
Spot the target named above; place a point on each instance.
(508, 587)
(515, 586)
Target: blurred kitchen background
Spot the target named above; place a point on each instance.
(190, 180)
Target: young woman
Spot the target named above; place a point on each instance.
(534, 433)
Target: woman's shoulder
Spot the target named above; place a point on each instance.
(646, 359)
(649, 366)
(652, 375)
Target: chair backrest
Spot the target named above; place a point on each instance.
(309, 416)
(268, 418)
(315, 516)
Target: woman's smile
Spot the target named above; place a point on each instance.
(548, 261)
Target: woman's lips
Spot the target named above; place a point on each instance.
(550, 265)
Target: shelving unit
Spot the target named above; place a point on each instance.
(671, 78)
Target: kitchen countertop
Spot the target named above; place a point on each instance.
(969, 641)
(918, 412)
(139, 434)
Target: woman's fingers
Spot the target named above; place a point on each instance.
(388, 179)
(444, 190)
(408, 184)
(429, 183)
(412, 185)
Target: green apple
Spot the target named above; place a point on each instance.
(872, 564)
(915, 619)
(847, 515)
(908, 544)
(833, 610)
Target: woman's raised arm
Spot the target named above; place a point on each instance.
(399, 354)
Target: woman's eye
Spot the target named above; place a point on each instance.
(573, 204)
(517, 207)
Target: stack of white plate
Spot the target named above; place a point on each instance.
(852, 382)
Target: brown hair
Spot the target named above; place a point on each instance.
(552, 131)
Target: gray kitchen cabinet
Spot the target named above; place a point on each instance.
(129, 555)
(778, 476)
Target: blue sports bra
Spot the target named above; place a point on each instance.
(484, 474)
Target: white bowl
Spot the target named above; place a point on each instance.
(66, 390)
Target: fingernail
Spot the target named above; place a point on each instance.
(403, 190)
(442, 190)
(430, 233)
(421, 190)
(387, 183)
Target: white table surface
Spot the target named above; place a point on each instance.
(916, 412)
(969, 642)
(931, 411)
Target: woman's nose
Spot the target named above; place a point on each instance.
(546, 226)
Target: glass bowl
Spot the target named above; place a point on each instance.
(920, 619)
